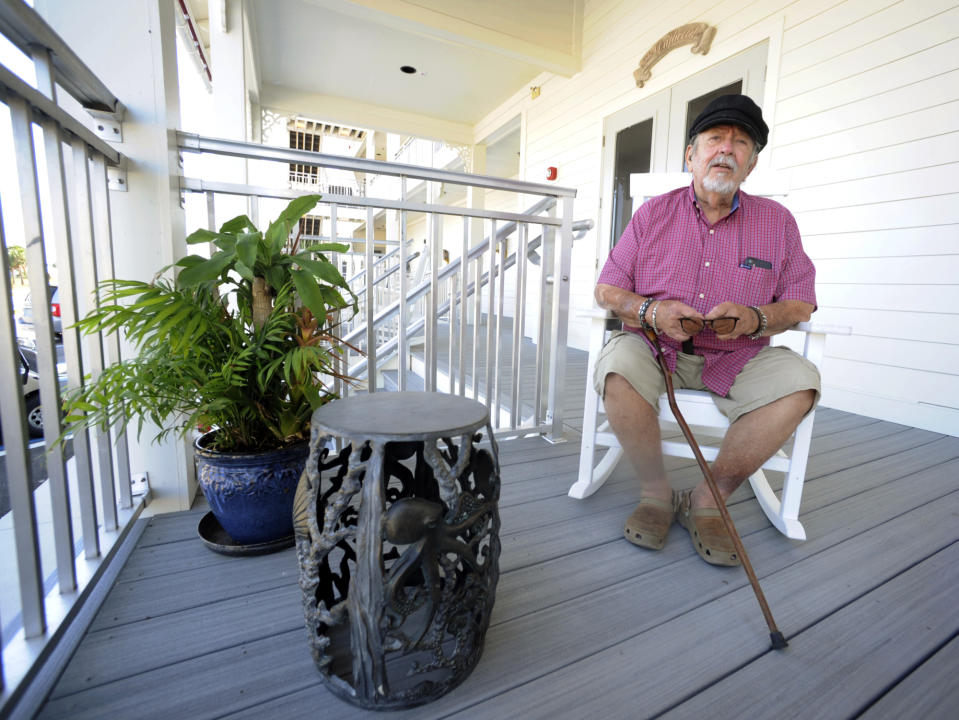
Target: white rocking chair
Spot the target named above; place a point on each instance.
(700, 412)
(698, 408)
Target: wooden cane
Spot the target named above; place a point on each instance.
(775, 636)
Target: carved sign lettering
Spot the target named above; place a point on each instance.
(699, 35)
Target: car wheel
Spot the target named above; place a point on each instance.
(34, 415)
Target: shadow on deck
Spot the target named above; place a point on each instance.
(586, 624)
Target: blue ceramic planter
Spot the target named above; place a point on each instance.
(251, 494)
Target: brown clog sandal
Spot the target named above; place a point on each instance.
(707, 531)
(650, 522)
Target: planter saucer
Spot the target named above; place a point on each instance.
(216, 538)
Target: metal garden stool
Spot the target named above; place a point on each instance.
(397, 537)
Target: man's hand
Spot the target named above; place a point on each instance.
(668, 315)
(780, 316)
(746, 321)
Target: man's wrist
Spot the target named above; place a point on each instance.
(761, 322)
(642, 314)
(654, 328)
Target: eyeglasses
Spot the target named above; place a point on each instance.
(721, 326)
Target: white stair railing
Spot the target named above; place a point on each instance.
(501, 340)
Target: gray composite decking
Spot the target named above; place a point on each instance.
(585, 624)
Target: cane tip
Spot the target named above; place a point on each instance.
(779, 642)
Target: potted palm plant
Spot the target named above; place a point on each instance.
(241, 343)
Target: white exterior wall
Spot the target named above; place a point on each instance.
(862, 98)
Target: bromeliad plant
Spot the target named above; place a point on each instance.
(242, 341)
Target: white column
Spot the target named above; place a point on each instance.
(231, 105)
(137, 63)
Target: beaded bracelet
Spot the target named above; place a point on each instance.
(761, 316)
(642, 314)
(655, 308)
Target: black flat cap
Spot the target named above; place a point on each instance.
(733, 110)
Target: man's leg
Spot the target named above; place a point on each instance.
(636, 426)
(630, 382)
(751, 440)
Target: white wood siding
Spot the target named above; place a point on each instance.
(862, 98)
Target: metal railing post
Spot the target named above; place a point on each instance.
(370, 303)
(543, 328)
(85, 262)
(560, 322)
(430, 351)
(60, 230)
(103, 242)
(22, 507)
(464, 306)
(402, 339)
(491, 327)
(519, 318)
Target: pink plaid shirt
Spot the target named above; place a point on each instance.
(670, 251)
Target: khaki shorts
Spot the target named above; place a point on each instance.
(774, 373)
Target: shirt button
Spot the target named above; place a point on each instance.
(707, 263)
(701, 296)
(711, 232)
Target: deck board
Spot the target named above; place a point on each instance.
(845, 645)
(585, 623)
(930, 691)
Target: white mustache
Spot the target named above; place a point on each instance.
(726, 161)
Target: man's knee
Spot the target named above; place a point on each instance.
(806, 400)
(617, 385)
(618, 390)
(620, 393)
(794, 406)
(798, 403)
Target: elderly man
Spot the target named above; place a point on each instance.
(713, 272)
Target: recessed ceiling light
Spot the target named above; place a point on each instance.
(408, 69)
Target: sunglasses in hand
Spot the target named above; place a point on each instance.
(720, 326)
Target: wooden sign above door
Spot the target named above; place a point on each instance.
(699, 35)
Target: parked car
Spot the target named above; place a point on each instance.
(26, 318)
(31, 396)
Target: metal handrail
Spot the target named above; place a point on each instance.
(227, 188)
(42, 106)
(27, 30)
(192, 142)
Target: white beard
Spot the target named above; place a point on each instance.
(726, 186)
(720, 186)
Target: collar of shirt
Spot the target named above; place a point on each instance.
(695, 200)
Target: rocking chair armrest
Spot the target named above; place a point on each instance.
(595, 313)
(822, 328)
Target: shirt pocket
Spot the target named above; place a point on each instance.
(753, 286)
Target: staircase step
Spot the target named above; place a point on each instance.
(391, 381)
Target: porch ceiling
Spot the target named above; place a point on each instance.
(469, 55)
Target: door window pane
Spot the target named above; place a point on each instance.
(633, 151)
